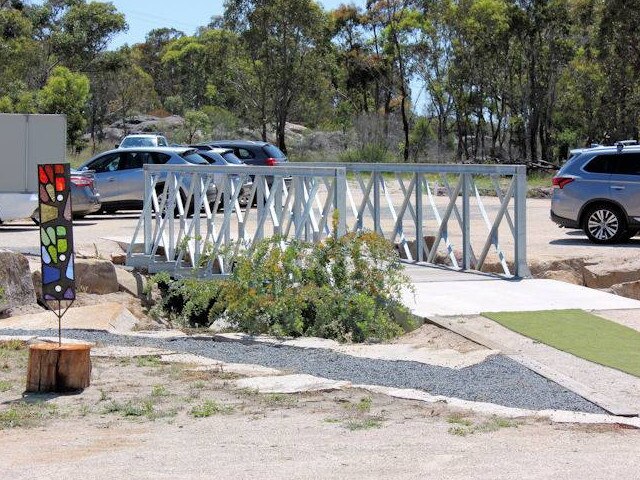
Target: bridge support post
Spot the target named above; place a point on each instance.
(520, 207)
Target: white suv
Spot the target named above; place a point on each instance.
(143, 140)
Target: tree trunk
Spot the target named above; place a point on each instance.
(58, 368)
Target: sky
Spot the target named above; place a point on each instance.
(185, 15)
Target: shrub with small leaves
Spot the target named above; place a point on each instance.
(346, 288)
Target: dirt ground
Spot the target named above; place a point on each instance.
(145, 419)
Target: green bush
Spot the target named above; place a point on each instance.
(346, 288)
(371, 153)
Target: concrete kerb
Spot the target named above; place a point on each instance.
(556, 416)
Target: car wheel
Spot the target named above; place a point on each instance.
(243, 199)
(604, 223)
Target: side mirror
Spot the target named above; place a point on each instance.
(117, 145)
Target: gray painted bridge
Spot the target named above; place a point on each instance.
(468, 217)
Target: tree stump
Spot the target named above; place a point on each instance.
(58, 368)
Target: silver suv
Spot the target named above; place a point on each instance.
(119, 174)
(598, 191)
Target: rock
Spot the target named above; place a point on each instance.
(291, 384)
(130, 282)
(107, 316)
(627, 289)
(604, 275)
(15, 281)
(295, 128)
(118, 258)
(567, 276)
(96, 276)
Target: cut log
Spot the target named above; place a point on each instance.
(58, 368)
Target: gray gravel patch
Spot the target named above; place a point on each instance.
(498, 379)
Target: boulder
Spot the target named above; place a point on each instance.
(130, 282)
(92, 276)
(96, 276)
(15, 281)
(118, 258)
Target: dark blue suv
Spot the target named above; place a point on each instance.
(263, 154)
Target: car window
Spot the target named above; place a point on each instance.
(627, 164)
(162, 142)
(615, 164)
(132, 160)
(273, 151)
(213, 158)
(159, 158)
(138, 142)
(243, 153)
(192, 157)
(231, 158)
(600, 164)
(106, 163)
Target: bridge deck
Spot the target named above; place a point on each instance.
(440, 291)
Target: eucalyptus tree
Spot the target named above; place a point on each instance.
(284, 42)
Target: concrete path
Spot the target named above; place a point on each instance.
(445, 292)
(455, 300)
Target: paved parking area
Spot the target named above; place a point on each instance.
(546, 242)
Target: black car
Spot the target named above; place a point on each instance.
(263, 154)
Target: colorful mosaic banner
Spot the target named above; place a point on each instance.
(56, 232)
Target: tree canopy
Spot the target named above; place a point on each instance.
(437, 80)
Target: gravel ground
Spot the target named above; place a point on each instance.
(497, 380)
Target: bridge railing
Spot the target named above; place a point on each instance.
(470, 217)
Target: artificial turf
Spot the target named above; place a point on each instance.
(580, 333)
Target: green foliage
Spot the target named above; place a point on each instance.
(369, 153)
(195, 122)
(209, 408)
(26, 415)
(66, 92)
(491, 79)
(174, 104)
(221, 119)
(347, 288)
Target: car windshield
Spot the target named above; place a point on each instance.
(192, 157)
(138, 142)
(231, 158)
(274, 151)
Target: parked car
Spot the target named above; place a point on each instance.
(250, 152)
(143, 140)
(598, 191)
(119, 173)
(226, 157)
(84, 198)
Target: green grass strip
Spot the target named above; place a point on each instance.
(580, 333)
